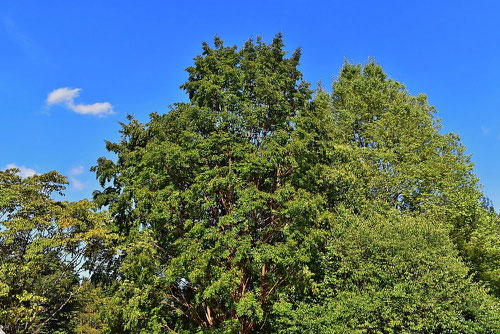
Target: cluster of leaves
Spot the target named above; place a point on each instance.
(44, 245)
(262, 206)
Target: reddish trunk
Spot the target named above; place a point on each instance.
(263, 274)
(248, 328)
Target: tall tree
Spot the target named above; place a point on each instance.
(210, 190)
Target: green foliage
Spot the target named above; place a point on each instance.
(257, 207)
(260, 206)
(410, 166)
(216, 217)
(44, 243)
(391, 273)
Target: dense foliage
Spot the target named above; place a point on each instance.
(44, 245)
(262, 206)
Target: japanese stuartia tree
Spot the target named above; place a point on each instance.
(218, 226)
(255, 208)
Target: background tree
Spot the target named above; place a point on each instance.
(411, 166)
(44, 245)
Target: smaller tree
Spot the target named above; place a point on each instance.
(391, 273)
(44, 245)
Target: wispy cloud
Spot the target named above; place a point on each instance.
(30, 48)
(78, 185)
(76, 171)
(66, 96)
(485, 130)
(23, 170)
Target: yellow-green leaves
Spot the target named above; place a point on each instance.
(44, 245)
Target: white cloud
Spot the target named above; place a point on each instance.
(78, 185)
(485, 130)
(99, 108)
(67, 95)
(76, 171)
(23, 171)
(62, 95)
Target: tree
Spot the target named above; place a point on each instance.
(391, 273)
(44, 244)
(205, 194)
(411, 166)
(255, 207)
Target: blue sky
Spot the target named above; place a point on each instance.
(119, 57)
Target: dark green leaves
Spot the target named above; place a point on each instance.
(256, 207)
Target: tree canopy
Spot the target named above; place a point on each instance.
(44, 245)
(264, 206)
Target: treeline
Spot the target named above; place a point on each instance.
(260, 206)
